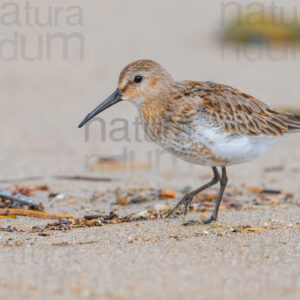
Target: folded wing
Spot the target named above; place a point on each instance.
(239, 113)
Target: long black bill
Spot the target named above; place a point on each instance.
(114, 98)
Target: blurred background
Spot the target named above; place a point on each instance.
(59, 59)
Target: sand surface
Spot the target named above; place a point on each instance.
(43, 101)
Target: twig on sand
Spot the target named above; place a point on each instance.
(31, 213)
(83, 178)
(21, 179)
(270, 191)
(20, 198)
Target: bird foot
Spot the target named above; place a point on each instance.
(208, 221)
(186, 200)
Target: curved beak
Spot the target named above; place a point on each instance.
(114, 98)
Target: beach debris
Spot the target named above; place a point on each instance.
(17, 243)
(142, 214)
(107, 163)
(162, 207)
(72, 201)
(234, 198)
(270, 191)
(18, 195)
(116, 163)
(275, 201)
(59, 197)
(254, 189)
(27, 190)
(83, 178)
(168, 193)
(31, 213)
(52, 195)
(8, 217)
(43, 234)
(122, 200)
(274, 169)
(32, 178)
(192, 223)
(67, 224)
(203, 216)
(240, 228)
(62, 244)
(259, 190)
(97, 220)
(135, 195)
(10, 228)
(253, 228)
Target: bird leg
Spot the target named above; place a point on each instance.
(223, 183)
(188, 198)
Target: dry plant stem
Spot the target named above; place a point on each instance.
(31, 213)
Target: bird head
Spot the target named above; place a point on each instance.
(139, 81)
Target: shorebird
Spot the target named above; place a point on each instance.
(203, 123)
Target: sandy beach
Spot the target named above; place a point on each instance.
(42, 102)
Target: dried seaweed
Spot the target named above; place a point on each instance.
(234, 198)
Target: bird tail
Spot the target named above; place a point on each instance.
(292, 121)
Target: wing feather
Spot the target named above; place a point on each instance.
(239, 113)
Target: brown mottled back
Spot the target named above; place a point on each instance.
(239, 113)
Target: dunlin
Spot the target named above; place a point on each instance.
(203, 123)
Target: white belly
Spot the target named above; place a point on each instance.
(236, 149)
(210, 147)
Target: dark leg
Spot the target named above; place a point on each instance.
(187, 199)
(223, 182)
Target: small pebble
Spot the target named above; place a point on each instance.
(162, 207)
(143, 213)
(59, 197)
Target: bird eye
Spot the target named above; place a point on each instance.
(138, 79)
